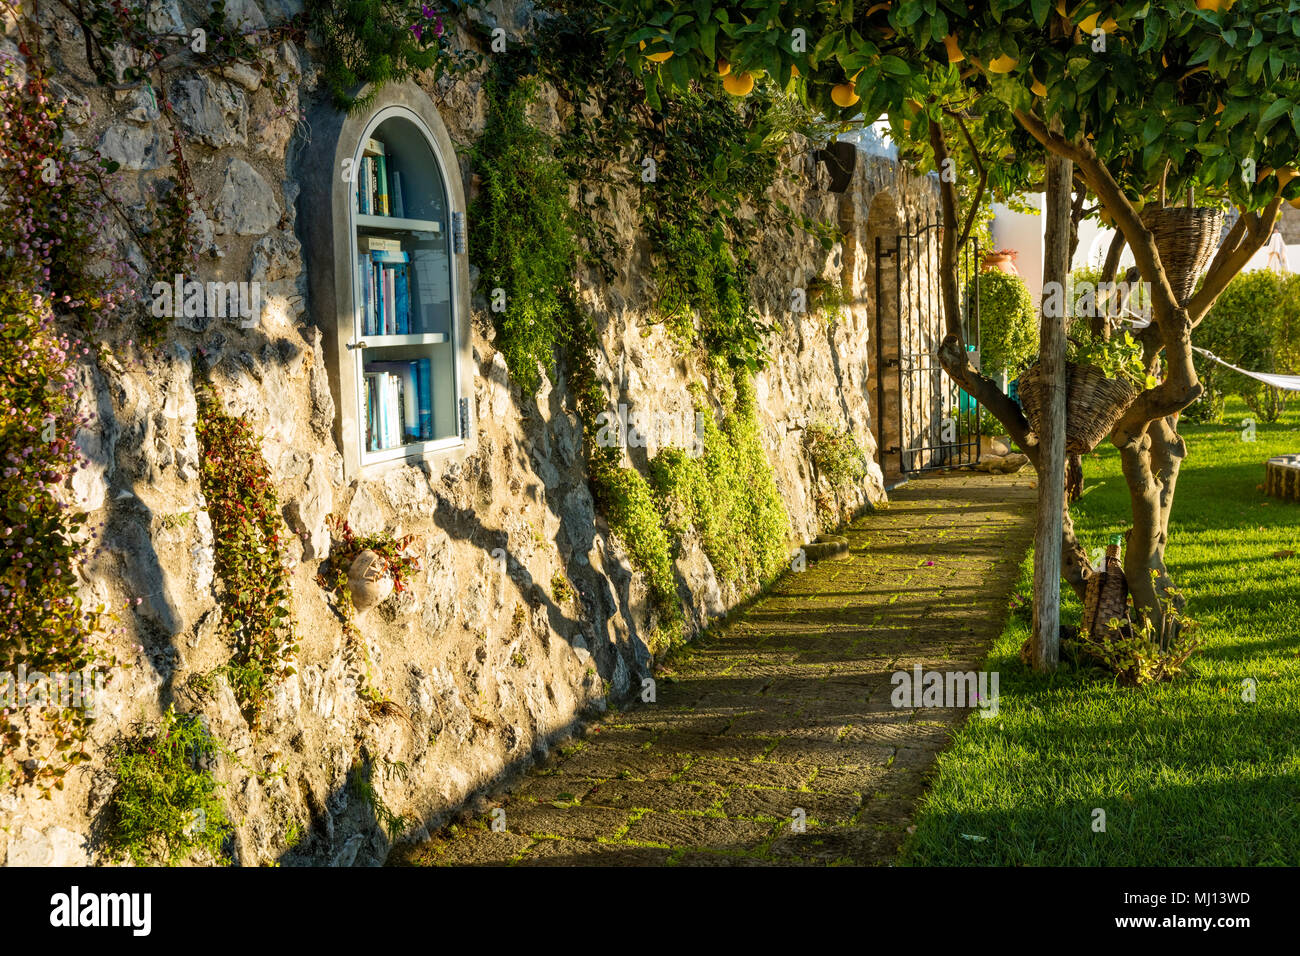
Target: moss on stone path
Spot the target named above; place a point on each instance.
(789, 707)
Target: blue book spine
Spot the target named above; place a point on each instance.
(361, 293)
(395, 191)
(402, 301)
(372, 303)
(424, 385)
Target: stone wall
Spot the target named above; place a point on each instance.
(490, 669)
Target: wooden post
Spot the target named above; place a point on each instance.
(1051, 430)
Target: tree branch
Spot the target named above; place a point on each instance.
(1247, 236)
(979, 190)
(1101, 321)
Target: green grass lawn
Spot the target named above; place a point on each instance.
(1186, 772)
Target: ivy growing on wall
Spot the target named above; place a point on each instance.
(702, 162)
(726, 494)
(251, 554)
(834, 453)
(523, 242)
(709, 166)
(527, 243)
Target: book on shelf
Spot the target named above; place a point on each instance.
(406, 412)
(383, 414)
(390, 313)
(424, 386)
(399, 403)
(396, 409)
(395, 194)
(382, 176)
(371, 392)
(373, 180)
(402, 300)
(389, 279)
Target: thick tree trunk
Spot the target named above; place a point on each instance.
(1051, 430)
(1075, 567)
(1151, 463)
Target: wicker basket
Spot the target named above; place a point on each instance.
(1106, 597)
(1185, 238)
(1093, 403)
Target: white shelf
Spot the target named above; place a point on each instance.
(398, 225)
(387, 341)
(415, 448)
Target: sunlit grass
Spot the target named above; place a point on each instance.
(1187, 773)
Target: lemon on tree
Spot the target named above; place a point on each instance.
(845, 94)
(738, 84)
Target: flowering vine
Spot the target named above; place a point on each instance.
(44, 629)
(251, 554)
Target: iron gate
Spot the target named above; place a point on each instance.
(930, 423)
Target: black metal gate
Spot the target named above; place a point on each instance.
(928, 422)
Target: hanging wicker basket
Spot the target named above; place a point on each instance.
(1106, 598)
(1093, 403)
(1185, 238)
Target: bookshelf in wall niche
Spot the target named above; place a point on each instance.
(404, 332)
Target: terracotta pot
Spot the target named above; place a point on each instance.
(1000, 261)
(369, 580)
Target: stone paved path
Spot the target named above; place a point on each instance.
(788, 708)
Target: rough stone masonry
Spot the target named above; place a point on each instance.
(449, 650)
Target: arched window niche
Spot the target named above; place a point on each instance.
(383, 209)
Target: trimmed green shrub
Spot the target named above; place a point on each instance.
(1008, 323)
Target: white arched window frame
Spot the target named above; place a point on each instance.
(337, 233)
